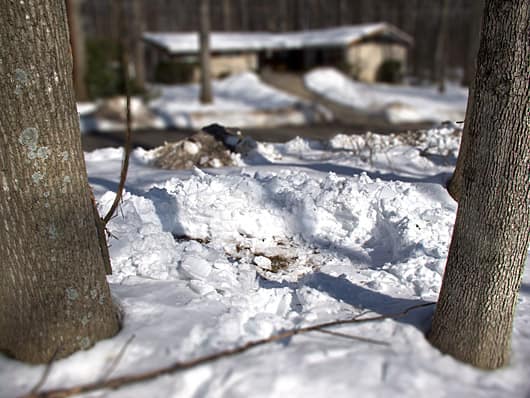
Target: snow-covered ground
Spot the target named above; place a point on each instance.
(301, 233)
(397, 104)
(241, 100)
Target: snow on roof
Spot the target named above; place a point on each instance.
(182, 43)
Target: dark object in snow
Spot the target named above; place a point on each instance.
(228, 137)
(233, 140)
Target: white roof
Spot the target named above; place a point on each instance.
(182, 43)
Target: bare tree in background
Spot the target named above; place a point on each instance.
(227, 15)
(474, 39)
(474, 315)
(440, 51)
(77, 43)
(243, 9)
(55, 298)
(138, 47)
(204, 41)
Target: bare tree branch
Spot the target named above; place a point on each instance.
(353, 337)
(116, 360)
(46, 372)
(128, 133)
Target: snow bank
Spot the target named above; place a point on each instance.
(398, 104)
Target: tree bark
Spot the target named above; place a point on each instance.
(474, 315)
(53, 290)
(204, 39)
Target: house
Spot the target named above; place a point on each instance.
(359, 50)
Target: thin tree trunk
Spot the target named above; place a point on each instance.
(138, 47)
(474, 40)
(77, 43)
(227, 16)
(243, 9)
(53, 289)
(204, 39)
(474, 315)
(343, 12)
(439, 54)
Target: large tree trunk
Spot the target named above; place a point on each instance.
(204, 39)
(77, 42)
(473, 319)
(53, 290)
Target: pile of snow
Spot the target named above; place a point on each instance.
(305, 232)
(239, 100)
(380, 226)
(397, 104)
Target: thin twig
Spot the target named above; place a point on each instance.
(46, 372)
(117, 360)
(353, 337)
(127, 147)
(121, 381)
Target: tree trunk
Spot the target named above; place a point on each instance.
(474, 315)
(439, 54)
(343, 12)
(227, 16)
(138, 47)
(53, 290)
(77, 43)
(474, 40)
(243, 9)
(204, 38)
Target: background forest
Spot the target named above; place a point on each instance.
(422, 19)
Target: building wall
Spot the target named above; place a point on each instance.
(364, 59)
